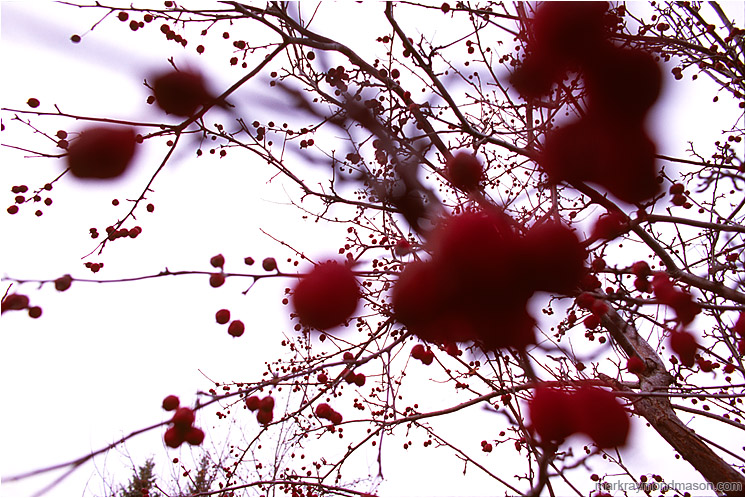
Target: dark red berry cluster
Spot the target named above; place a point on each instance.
(265, 407)
(182, 427)
(425, 355)
(480, 278)
(18, 302)
(556, 414)
(609, 145)
(323, 410)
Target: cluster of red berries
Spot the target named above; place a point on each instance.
(678, 195)
(94, 267)
(609, 145)
(182, 427)
(327, 296)
(353, 378)
(425, 355)
(17, 302)
(481, 275)
(217, 279)
(101, 152)
(464, 171)
(323, 410)
(236, 327)
(265, 407)
(114, 234)
(486, 447)
(556, 414)
(597, 307)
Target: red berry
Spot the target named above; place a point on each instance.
(676, 189)
(555, 258)
(12, 209)
(150, 208)
(359, 380)
(264, 417)
(267, 404)
(34, 312)
(601, 416)
(418, 351)
(183, 418)
(464, 171)
(217, 279)
(217, 261)
(173, 437)
(323, 378)
(635, 365)
(101, 152)
(335, 418)
(236, 328)
(14, 302)
(685, 346)
(252, 403)
(552, 414)
(591, 322)
(170, 403)
(269, 264)
(223, 316)
(323, 410)
(641, 269)
(327, 296)
(487, 448)
(610, 226)
(194, 436)
(180, 93)
(32, 102)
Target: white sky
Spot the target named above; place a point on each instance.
(102, 357)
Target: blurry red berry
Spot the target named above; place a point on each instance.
(236, 328)
(327, 296)
(635, 365)
(217, 279)
(552, 414)
(194, 436)
(183, 418)
(464, 171)
(269, 264)
(223, 316)
(217, 261)
(14, 302)
(173, 437)
(170, 403)
(252, 403)
(101, 152)
(685, 346)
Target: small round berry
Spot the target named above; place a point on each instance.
(170, 403)
(236, 328)
(217, 261)
(183, 418)
(269, 264)
(34, 312)
(33, 103)
(217, 279)
(223, 316)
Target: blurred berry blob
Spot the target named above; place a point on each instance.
(181, 93)
(477, 285)
(101, 152)
(608, 146)
(327, 296)
(556, 414)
